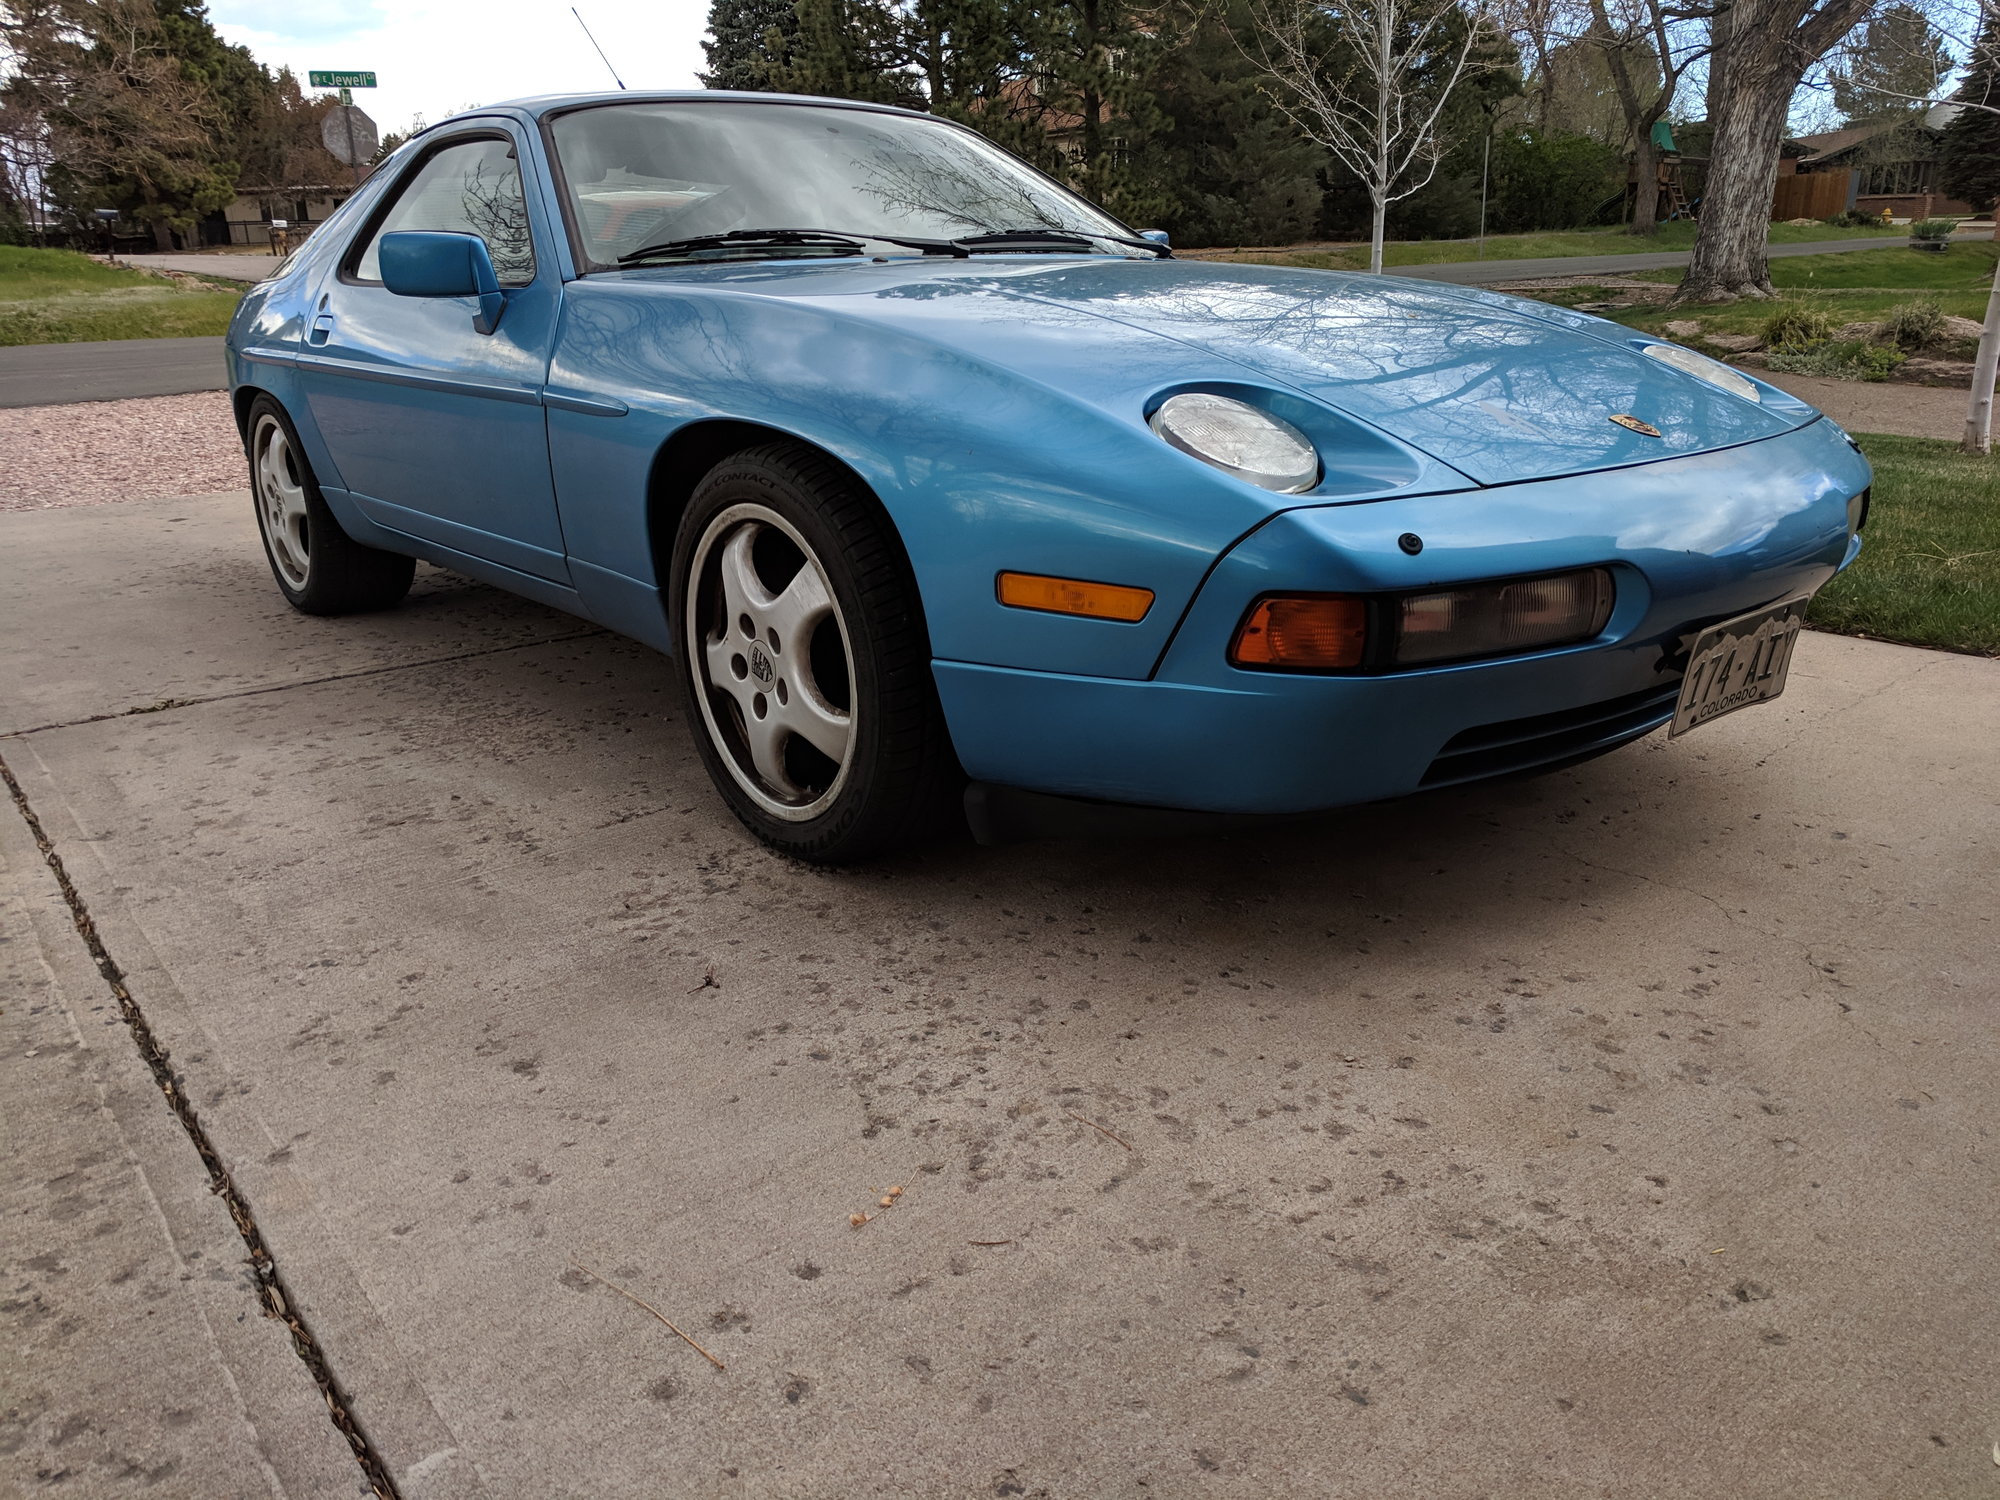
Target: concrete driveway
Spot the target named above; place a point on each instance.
(1625, 1132)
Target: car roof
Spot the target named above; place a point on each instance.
(538, 105)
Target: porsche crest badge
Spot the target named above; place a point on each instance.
(1634, 424)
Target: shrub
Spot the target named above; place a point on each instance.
(1933, 229)
(1916, 324)
(1855, 218)
(1855, 359)
(1796, 325)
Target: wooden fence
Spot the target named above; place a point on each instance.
(1811, 195)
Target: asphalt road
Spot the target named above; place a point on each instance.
(113, 370)
(1626, 1131)
(1491, 272)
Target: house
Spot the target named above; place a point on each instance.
(1892, 164)
(247, 220)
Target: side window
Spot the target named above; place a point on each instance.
(471, 188)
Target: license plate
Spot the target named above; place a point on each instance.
(1738, 663)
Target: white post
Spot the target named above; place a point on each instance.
(1985, 368)
(1485, 175)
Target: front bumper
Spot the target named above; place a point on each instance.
(1691, 540)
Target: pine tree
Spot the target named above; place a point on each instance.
(747, 41)
(1087, 66)
(145, 108)
(1969, 155)
(1897, 65)
(1232, 170)
(847, 49)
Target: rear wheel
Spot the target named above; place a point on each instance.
(320, 569)
(805, 660)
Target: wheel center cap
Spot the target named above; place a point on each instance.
(760, 665)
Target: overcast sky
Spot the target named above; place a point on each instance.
(435, 57)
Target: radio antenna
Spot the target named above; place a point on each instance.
(600, 51)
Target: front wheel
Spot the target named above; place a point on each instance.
(805, 661)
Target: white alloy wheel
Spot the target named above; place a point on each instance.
(281, 501)
(769, 651)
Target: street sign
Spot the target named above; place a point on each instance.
(341, 80)
(350, 135)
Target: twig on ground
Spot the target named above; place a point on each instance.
(642, 1302)
(989, 1242)
(1099, 1128)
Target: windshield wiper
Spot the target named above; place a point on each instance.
(756, 239)
(1032, 238)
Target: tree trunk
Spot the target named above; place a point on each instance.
(1720, 27)
(1729, 259)
(1378, 188)
(1092, 101)
(1979, 411)
(163, 237)
(933, 66)
(1646, 195)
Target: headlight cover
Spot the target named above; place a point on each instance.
(1701, 366)
(1238, 439)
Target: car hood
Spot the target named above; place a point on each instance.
(1499, 388)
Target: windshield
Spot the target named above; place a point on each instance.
(641, 174)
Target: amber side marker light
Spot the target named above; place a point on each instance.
(1075, 596)
(1312, 633)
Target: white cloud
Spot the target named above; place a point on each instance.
(435, 57)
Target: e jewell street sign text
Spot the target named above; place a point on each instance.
(340, 80)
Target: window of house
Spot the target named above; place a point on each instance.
(1902, 177)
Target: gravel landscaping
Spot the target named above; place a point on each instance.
(97, 451)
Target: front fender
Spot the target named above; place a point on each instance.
(980, 467)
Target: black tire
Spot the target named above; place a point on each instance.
(320, 569)
(780, 509)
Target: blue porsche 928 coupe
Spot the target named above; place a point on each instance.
(934, 478)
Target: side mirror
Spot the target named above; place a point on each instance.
(431, 264)
(1157, 236)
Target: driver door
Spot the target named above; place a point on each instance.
(437, 429)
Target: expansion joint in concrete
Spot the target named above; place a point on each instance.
(272, 1292)
(164, 704)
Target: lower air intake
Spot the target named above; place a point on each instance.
(1549, 739)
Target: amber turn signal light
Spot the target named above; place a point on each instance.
(1075, 596)
(1315, 632)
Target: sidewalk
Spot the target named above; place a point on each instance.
(230, 267)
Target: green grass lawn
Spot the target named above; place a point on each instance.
(1676, 236)
(1852, 286)
(60, 297)
(1929, 572)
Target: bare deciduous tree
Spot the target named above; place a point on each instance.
(1762, 51)
(116, 106)
(1648, 46)
(1368, 81)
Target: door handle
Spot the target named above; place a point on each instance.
(322, 328)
